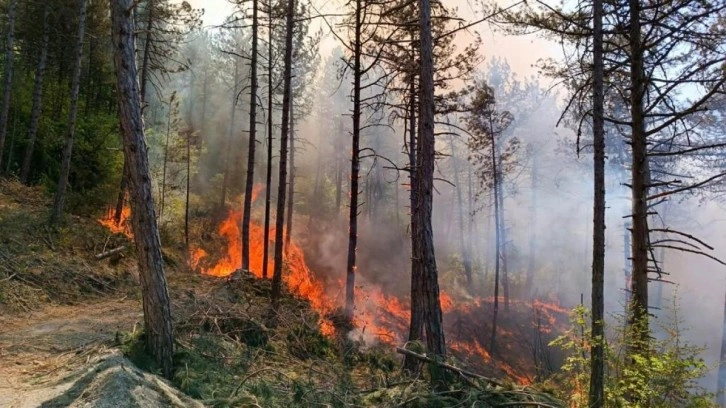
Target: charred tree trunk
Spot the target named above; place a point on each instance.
(354, 166)
(291, 183)
(286, 103)
(424, 201)
(268, 175)
(157, 312)
(37, 98)
(597, 352)
(638, 319)
(247, 206)
(60, 195)
(228, 139)
(8, 75)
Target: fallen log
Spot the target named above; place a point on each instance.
(449, 367)
(110, 252)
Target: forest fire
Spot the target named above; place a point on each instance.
(384, 318)
(123, 226)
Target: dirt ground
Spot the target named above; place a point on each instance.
(63, 356)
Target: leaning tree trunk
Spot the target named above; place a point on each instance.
(247, 206)
(597, 352)
(37, 98)
(8, 75)
(424, 195)
(144, 76)
(286, 102)
(638, 319)
(354, 167)
(157, 312)
(60, 195)
(268, 175)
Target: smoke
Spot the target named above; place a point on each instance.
(548, 222)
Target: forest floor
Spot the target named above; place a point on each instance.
(71, 333)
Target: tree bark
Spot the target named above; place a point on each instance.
(157, 312)
(425, 255)
(37, 98)
(639, 242)
(60, 194)
(247, 206)
(354, 167)
(286, 101)
(416, 325)
(8, 75)
(597, 353)
(291, 183)
(147, 52)
(268, 175)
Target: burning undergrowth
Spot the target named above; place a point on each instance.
(519, 350)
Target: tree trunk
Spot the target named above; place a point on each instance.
(157, 312)
(424, 200)
(531, 263)
(597, 353)
(228, 139)
(60, 194)
(37, 98)
(460, 215)
(247, 206)
(354, 167)
(268, 175)
(639, 299)
(147, 52)
(186, 195)
(497, 233)
(286, 102)
(416, 325)
(291, 183)
(166, 155)
(503, 237)
(8, 75)
(721, 388)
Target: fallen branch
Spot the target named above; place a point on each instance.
(110, 252)
(449, 367)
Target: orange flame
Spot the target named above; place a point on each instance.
(123, 227)
(379, 317)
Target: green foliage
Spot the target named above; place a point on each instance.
(664, 375)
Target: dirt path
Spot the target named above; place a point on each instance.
(39, 349)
